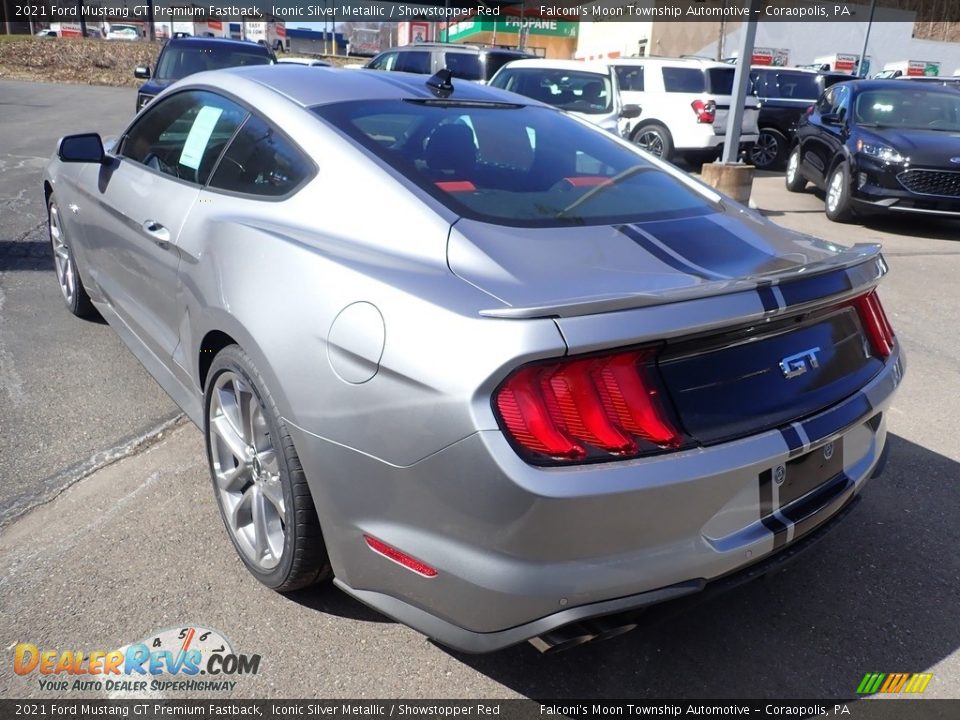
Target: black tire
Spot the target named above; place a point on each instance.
(303, 560)
(794, 181)
(72, 291)
(769, 151)
(842, 210)
(655, 139)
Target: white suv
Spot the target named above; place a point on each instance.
(685, 105)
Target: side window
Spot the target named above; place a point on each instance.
(825, 103)
(414, 61)
(184, 134)
(260, 161)
(630, 77)
(387, 61)
(683, 80)
(841, 101)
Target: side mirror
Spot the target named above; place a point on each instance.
(85, 148)
(831, 118)
(628, 112)
(142, 72)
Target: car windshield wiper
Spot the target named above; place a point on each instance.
(611, 182)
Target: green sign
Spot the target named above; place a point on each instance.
(464, 29)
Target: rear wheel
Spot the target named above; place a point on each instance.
(655, 139)
(259, 483)
(838, 205)
(768, 151)
(71, 287)
(794, 180)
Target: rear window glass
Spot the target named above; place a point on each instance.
(463, 65)
(583, 92)
(796, 86)
(514, 165)
(683, 80)
(179, 62)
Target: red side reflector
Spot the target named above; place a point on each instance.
(875, 323)
(453, 186)
(399, 557)
(587, 180)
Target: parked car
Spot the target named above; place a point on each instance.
(467, 62)
(587, 90)
(124, 32)
(537, 383)
(311, 62)
(881, 146)
(950, 82)
(183, 56)
(685, 104)
(46, 33)
(785, 95)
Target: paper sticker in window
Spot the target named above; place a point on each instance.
(199, 136)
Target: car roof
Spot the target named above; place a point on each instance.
(595, 67)
(458, 47)
(893, 83)
(210, 42)
(309, 86)
(657, 59)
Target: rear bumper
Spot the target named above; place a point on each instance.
(521, 550)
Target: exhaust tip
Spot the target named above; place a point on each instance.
(606, 629)
(561, 639)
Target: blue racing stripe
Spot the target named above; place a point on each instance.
(837, 418)
(797, 292)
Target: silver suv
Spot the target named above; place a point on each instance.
(468, 62)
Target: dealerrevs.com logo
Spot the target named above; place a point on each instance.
(189, 659)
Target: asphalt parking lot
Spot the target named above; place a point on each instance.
(137, 546)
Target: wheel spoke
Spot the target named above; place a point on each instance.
(226, 432)
(233, 479)
(261, 533)
(273, 491)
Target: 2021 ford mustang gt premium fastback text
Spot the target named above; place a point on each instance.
(497, 372)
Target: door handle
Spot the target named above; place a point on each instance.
(160, 235)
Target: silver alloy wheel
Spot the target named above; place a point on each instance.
(835, 190)
(651, 141)
(247, 471)
(793, 165)
(62, 258)
(765, 150)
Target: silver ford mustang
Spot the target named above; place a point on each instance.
(499, 374)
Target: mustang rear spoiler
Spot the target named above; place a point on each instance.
(864, 262)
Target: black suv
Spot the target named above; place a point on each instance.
(182, 56)
(469, 62)
(785, 94)
(881, 146)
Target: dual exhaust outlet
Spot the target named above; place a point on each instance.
(580, 633)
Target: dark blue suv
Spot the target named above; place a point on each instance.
(182, 56)
(875, 146)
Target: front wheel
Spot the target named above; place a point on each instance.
(838, 205)
(259, 483)
(795, 182)
(68, 277)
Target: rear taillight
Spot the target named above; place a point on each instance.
(590, 408)
(875, 323)
(706, 111)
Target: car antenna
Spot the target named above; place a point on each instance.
(441, 83)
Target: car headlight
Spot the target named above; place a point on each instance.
(883, 153)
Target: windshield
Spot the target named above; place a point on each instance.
(574, 90)
(514, 165)
(178, 62)
(910, 108)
